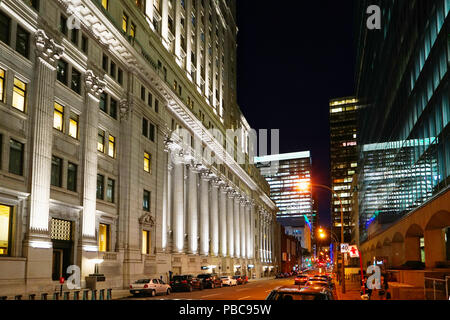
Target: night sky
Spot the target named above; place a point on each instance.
(292, 59)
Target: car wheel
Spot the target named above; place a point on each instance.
(168, 292)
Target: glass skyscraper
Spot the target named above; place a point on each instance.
(403, 88)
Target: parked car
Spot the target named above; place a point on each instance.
(149, 286)
(301, 280)
(186, 283)
(210, 280)
(319, 284)
(228, 281)
(241, 280)
(294, 293)
(279, 275)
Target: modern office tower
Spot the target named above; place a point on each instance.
(403, 129)
(108, 157)
(344, 161)
(284, 173)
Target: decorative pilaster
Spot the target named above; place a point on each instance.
(204, 213)
(178, 208)
(192, 221)
(214, 222)
(41, 106)
(223, 219)
(237, 229)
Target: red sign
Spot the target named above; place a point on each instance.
(354, 253)
(61, 280)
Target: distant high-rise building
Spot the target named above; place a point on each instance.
(284, 173)
(344, 160)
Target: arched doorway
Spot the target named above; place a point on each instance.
(437, 242)
(397, 250)
(387, 252)
(415, 244)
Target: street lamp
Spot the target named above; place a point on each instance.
(305, 186)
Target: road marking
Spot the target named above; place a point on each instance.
(211, 295)
(244, 298)
(243, 289)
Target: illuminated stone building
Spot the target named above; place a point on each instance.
(107, 111)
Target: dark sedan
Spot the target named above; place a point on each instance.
(186, 283)
(296, 293)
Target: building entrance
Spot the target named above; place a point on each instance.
(61, 235)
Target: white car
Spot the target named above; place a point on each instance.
(228, 281)
(151, 287)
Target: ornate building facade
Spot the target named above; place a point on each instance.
(114, 149)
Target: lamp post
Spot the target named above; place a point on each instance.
(305, 186)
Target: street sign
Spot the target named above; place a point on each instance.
(344, 248)
(354, 253)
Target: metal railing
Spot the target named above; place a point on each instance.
(437, 289)
(86, 294)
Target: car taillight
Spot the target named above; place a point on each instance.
(146, 286)
(184, 281)
(131, 287)
(171, 282)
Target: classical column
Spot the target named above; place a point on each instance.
(237, 228)
(192, 225)
(230, 222)
(149, 13)
(166, 196)
(94, 87)
(261, 236)
(214, 221)
(252, 230)
(165, 22)
(248, 233)
(243, 227)
(47, 56)
(177, 34)
(265, 236)
(223, 220)
(204, 213)
(178, 207)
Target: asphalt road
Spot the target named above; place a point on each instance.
(254, 290)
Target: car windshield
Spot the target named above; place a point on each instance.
(143, 281)
(281, 296)
(179, 278)
(203, 276)
(236, 277)
(223, 277)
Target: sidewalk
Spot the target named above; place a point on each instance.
(351, 293)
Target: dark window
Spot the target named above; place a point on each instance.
(113, 108)
(144, 127)
(56, 172)
(63, 25)
(15, 157)
(5, 27)
(152, 132)
(34, 4)
(156, 106)
(120, 76)
(22, 41)
(113, 70)
(105, 63)
(150, 99)
(142, 93)
(103, 101)
(74, 36)
(61, 73)
(72, 177)
(76, 81)
(146, 201)
(100, 187)
(110, 190)
(84, 43)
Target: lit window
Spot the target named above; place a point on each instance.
(145, 242)
(58, 117)
(147, 159)
(101, 141)
(103, 238)
(2, 84)
(5, 230)
(73, 126)
(105, 4)
(124, 22)
(19, 95)
(133, 30)
(112, 147)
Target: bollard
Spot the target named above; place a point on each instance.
(32, 297)
(18, 297)
(66, 295)
(76, 295)
(85, 294)
(56, 296)
(44, 296)
(101, 294)
(94, 295)
(109, 294)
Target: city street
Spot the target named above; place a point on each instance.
(255, 290)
